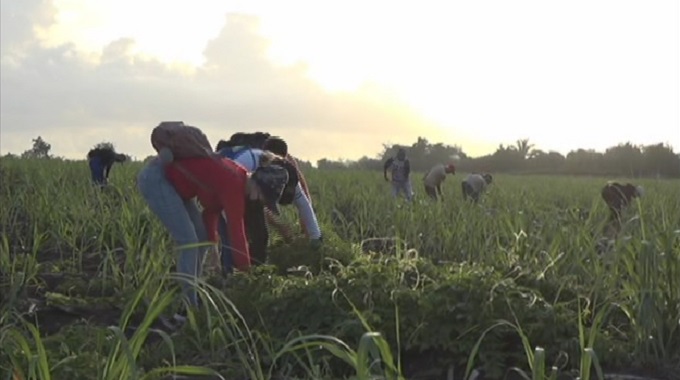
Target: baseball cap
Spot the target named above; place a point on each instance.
(272, 180)
(451, 168)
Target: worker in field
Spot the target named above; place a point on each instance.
(618, 196)
(101, 159)
(301, 198)
(401, 171)
(434, 178)
(221, 185)
(247, 152)
(474, 185)
(180, 217)
(186, 168)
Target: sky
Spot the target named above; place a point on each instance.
(339, 79)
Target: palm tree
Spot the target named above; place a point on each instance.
(524, 147)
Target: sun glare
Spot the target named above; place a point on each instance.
(171, 31)
(442, 62)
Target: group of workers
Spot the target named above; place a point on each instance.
(617, 196)
(473, 186)
(240, 186)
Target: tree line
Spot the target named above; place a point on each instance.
(623, 160)
(522, 157)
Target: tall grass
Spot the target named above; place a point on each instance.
(534, 229)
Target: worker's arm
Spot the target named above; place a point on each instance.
(303, 184)
(283, 228)
(307, 217)
(387, 165)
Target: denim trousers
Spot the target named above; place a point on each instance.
(402, 187)
(97, 171)
(181, 218)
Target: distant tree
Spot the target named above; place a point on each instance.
(422, 154)
(584, 161)
(304, 165)
(660, 161)
(524, 147)
(547, 163)
(326, 164)
(40, 149)
(622, 160)
(507, 159)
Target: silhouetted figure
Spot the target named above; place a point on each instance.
(617, 197)
(101, 159)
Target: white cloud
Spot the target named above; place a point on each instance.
(566, 75)
(74, 102)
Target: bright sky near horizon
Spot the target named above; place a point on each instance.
(337, 79)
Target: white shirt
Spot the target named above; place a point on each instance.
(250, 159)
(477, 182)
(435, 176)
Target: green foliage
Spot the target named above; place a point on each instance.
(517, 280)
(40, 149)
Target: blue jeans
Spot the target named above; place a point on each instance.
(97, 171)
(181, 218)
(402, 187)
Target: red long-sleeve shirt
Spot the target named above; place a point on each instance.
(220, 185)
